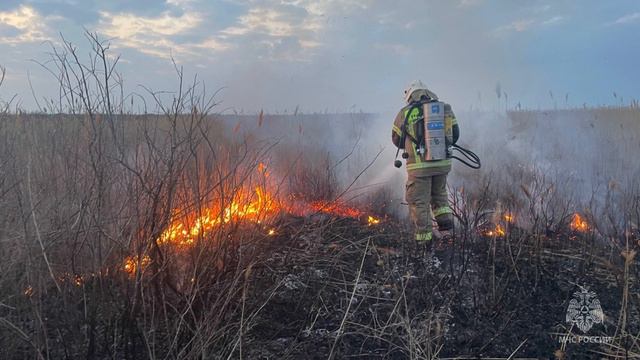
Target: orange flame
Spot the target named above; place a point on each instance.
(131, 264)
(244, 207)
(578, 223)
(335, 208)
(372, 221)
(497, 231)
(247, 205)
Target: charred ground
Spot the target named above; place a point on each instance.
(88, 274)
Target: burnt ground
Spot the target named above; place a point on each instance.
(337, 287)
(326, 287)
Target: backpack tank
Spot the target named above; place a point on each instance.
(434, 131)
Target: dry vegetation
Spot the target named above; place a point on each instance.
(94, 265)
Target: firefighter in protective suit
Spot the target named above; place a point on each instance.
(426, 188)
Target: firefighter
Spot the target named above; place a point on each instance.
(426, 187)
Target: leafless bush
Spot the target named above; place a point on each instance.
(311, 175)
(86, 190)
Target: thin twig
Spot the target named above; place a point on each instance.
(353, 293)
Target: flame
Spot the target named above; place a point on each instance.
(497, 231)
(335, 208)
(254, 209)
(251, 205)
(262, 169)
(245, 206)
(131, 264)
(502, 221)
(578, 223)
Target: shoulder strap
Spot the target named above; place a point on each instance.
(406, 123)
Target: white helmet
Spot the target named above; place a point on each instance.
(416, 90)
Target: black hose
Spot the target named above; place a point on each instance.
(474, 160)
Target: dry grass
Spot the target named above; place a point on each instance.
(82, 192)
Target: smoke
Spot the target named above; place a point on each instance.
(335, 57)
(593, 146)
(585, 154)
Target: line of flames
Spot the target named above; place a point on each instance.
(247, 206)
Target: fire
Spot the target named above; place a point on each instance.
(250, 205)
(497, 231)
(262, 168)
(341, 209)
(253, 206)
(502, 221)
(372, 221)
(131, 264)
(578, 223)
(336, 208)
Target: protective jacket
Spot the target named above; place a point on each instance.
(416, 163)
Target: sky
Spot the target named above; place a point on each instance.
(340, 56)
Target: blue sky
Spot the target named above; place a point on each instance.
(343, 55)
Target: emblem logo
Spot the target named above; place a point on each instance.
(584, 310)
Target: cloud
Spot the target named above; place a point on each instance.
(626, 19)
(212, 43)
(282, 32)
(179, 3)
(523, 25)
(156, 36)
(270, 22)
(517, 26)
(124, 26)
(552, 21)
(22, 25)
(274, 30)
(291, 30)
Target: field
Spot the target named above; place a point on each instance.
(181, 233)
(186, 235)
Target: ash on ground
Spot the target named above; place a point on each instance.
(344, 289)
